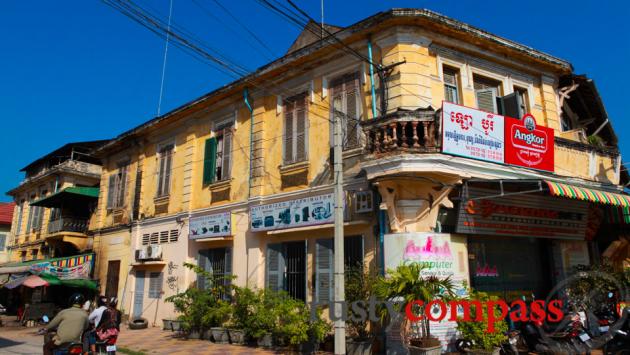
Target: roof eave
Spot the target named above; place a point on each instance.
(342, 34)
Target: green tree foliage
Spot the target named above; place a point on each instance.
(477, 330)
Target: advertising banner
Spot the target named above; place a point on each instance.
(307, 211)
(528, 145)
(522, 215)
(476, 134)
(437, 253)
(213, 225)
(471, 133)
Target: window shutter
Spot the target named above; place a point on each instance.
(160, 175)
(155, 284)
(288, 132)
(352, 114)
(300, 153)
(228, 267)
(111, 191)
(512, 105)
(209, 161)
(167, 172)
(275, 267)
(227, 153)
(122, 187)
(486, 100)
(450, 94)
(29, 219)
(3, 241)
(324, 270)
(201, 263)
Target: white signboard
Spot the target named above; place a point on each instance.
(437, 253)
(472, 133)
(213, 225)
(295, 213)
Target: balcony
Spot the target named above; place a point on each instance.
(403, 132)
(68, 224)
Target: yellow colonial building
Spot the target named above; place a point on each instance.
(239, 181)
(54, 204)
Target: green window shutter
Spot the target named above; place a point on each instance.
(209, 160)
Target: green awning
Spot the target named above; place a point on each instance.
(83, 283)
(68, 196)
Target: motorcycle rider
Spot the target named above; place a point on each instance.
(95, 319)
(70, 324)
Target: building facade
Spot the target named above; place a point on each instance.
(239, 181)
(54, 204)
(6, 217)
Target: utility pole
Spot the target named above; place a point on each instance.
(339, 291)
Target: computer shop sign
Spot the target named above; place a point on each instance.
(481, 135)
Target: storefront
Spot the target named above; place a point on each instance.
(525, 236)
(296, 240)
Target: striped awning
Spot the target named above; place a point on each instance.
(586, 194)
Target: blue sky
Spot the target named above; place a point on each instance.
(77, 70)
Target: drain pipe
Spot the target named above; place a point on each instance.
(251, 140)
(372, 78)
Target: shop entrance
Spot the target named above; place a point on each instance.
(510, 267)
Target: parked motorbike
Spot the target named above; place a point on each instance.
(620, 342)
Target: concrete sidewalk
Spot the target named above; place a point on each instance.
(15, 339)
(154, 340)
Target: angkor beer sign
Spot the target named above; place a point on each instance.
(522, 215)
(481, 135)
(527, 144)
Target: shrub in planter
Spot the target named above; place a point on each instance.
(202, 309)
(411, 282)
(358, 287)
(484, 342)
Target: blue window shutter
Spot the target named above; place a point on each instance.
(3, 241)
(155, 284)
(275, 267)
(323, 270)
(209, 161)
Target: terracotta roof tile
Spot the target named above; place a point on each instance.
(6, 212)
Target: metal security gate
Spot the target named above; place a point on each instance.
(138, 296)
(295, 262)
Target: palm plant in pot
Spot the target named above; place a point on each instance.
(358, 288)
(406, 284)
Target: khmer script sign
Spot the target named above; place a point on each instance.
(472, 133)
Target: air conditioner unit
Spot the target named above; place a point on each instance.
(141, 254)
(154, 252)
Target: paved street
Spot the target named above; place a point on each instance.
(19, 340)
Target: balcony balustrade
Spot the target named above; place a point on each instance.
(403, 132)
(68, 224)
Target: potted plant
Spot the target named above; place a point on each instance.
(260, 318)
(243, 303)
(408, 284)
(217, 317)
(358, 287)
(202, 309)
(484, 342)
